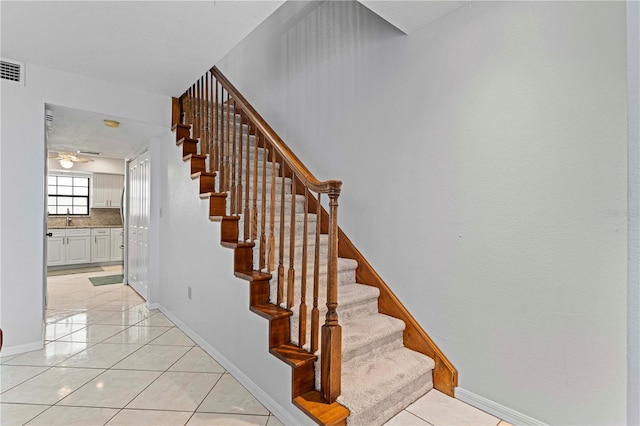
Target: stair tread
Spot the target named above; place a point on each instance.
(349, 294)
(270, 311)
(361, 331)
(328, 414)
(196, 175)
(183, 140)
(293, 355)
(366, 383)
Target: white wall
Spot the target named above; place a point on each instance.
(490, 149)
(633, 211)
(22, 182)
(217, 315)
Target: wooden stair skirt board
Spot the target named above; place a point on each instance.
(407, 363)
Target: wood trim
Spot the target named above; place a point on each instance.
(175, 111)
(445, 376)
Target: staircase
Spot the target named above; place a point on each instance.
(374, 361)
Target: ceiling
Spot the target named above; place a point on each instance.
(74, 129)
(157, 46)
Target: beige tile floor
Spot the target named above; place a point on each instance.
(108, 360)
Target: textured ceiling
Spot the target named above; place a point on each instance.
(159, 46)
(74, 129)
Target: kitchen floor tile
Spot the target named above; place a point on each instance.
(93, 333)
(129, 417)
(52, 354)
(208, 419)
(149, 357)
(156, 320)
(13, 375)
(102, 355)
(67, 416)
(173, 337)
(136, 334)
(55, 331)
(176, 391)
(197, 361)
(50, 386)
(19, 414)
(273, 421)
(111, 389)
(405, 418)
(228, 396)
(440, 409)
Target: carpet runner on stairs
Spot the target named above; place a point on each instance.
(380, 377)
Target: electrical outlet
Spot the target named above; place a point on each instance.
(189, 292)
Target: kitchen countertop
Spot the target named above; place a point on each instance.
(84, 226)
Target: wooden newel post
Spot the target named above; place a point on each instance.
(331, 358)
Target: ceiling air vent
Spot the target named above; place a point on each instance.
(12, 71)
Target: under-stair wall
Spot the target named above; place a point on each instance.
(191, 257)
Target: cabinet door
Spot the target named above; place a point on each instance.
(78, 249)
(56, 249)
(101, 245)
(117, 244)
(99, 197)
(116, 185)
(107, 190)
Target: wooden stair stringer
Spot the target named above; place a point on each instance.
(304, 396)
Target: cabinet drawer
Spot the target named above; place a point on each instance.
(78, 232)
(100, 231)
(57, 232)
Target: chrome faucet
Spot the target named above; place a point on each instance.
(68, 218)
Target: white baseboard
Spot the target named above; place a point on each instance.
(264, 398)
(507, 414)
(27, 347)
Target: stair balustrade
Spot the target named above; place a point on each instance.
(278, 203)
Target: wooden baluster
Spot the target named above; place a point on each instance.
(197, 110)
(291, 274)
(207, 128)
(234, 159)
(331, 358)
(222, 141)
(201, 120)
(263, 215)
(216, 130)
(281, 248)
(315, 312)
(227, 158)
(272, 216)
(254, 211)
(248, 214)
(302, 326)
(240, 155)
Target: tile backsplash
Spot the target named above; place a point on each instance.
(97, 217)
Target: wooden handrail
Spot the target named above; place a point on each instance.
(308, 179)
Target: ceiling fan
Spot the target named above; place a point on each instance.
(67, 159)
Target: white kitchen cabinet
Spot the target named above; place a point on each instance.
(56, 254)
(107, 190)
(69, 246)
(100, 245)
(117, 244)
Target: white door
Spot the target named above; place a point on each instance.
(138, 224)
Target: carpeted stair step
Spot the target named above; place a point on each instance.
(377, 388)
(346, 275)
(356, 300)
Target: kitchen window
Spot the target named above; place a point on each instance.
(68, 194)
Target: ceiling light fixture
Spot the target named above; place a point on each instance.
(111, 123)
(66, 163)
